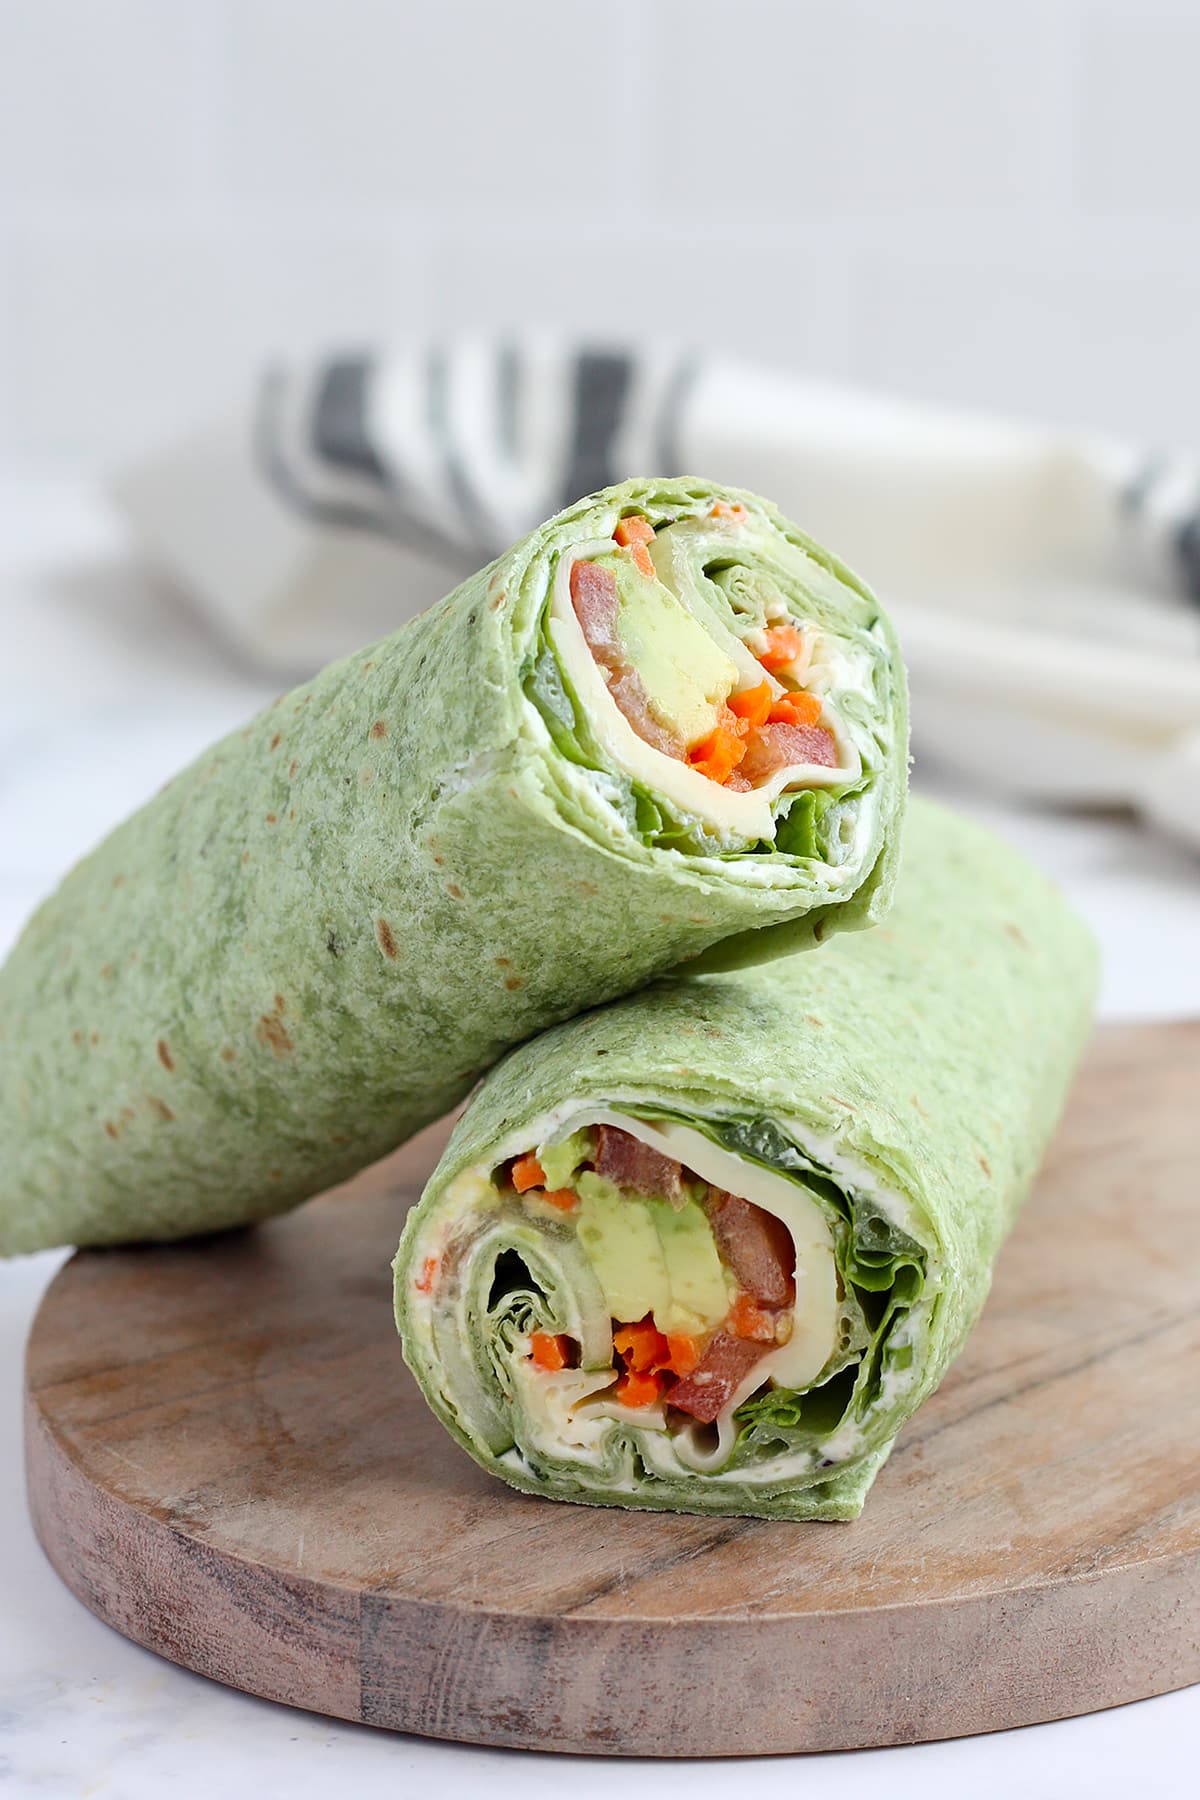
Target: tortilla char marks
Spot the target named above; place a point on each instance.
(627, 1161)
(379, 729)
(387, 940)
(165, 1057)
(271, 1031)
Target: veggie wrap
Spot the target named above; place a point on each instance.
(709, 1247)
(662, 720)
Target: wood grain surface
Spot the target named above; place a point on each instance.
(229, 1463)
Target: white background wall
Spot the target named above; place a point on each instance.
(992, 202)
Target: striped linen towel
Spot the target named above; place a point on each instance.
(1046, 585)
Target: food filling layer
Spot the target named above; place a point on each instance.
(634, 1289)
(699, 677)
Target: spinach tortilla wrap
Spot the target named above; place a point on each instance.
(709, 1247)
(663, 720)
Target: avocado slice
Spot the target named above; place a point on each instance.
(560, 1161)
(651, 1258)
(686, 674)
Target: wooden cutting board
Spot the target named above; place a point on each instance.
(229, 1463)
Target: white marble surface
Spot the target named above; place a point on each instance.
(107, 683)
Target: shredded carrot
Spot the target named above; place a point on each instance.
(634, 530)
(547, 1350)
(721, 509)
(684, 1353)
(799, 708)
(564, 1198)
(719, 754)
(425, 1280)
(527, 1172)
(642, 1346)
(638, 1390)
(750, 1320)
(752, 705)
(784, 644)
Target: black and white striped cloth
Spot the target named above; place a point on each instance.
(1047, 585)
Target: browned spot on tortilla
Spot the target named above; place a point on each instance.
(275, 1174)
(118, 880)
(918, 1106)
(338, 1137)
(276, 740)
(277, 701)
(454, 891)
(497, 601)
(367, 665)
(291, 813)
(110, 1128)
(245, 856)
(280, 1004)
(504, 962)
(95, 1037)
(128, 1113)
(228, 1053)
(986, 1166)
(438, 861)
(587, 887)
(379, 729)
(814, 1019)
(160, 1107)
(387, 939)
(1017, 935)
(513, 982)
(106, 970)
(271, 819)
(164, 1055)
(77, 1037)
(292, 767)
(272, 1034)
(819, 930)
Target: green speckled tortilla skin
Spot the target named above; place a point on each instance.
(314, 939)
(937, 1050)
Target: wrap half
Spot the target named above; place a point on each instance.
(663, 720)
(709, 1247)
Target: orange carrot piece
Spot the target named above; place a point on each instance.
(643, 560)
(638, 1390)
(799, 708)
(748, 1319)
(752, 705)
(547, 1350)
(425, 1280)
(719, 754)
(641, 1345)
(634, 530)
(564, 1198)
(527, 1172)
(784, 644)
(721, 509)
(684, 1353)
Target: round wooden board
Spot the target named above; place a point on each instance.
(229, 1462)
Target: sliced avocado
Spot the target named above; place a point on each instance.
(699, 1296)
(650, 1258)
(560, 1161)
(685, 672)
(617, 1233)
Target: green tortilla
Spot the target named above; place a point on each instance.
(316, 938)
(904, 1084)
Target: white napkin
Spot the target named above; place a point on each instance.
(1046, 587)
